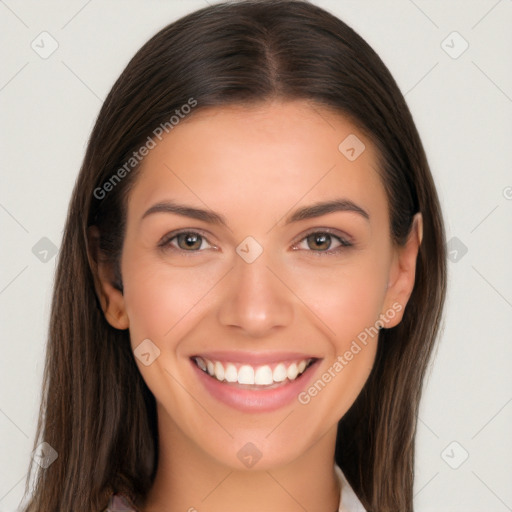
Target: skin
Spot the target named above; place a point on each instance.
(255, 165)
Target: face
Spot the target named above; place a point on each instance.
(258, 250)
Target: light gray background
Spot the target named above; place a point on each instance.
(463, 110)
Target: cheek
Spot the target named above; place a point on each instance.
(347, 299)
(160, 299)
(147, 299)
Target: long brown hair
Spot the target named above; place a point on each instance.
(96, 410)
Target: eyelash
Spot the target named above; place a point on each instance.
(165, 243)
(344, 243)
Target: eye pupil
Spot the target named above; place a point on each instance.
(320, 239)
(190, 240)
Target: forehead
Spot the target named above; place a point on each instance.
(263, 158)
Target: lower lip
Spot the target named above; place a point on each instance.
(248, 400)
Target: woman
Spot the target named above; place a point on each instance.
(251, 278)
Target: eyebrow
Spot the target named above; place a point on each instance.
(211, 217)
(186, 211)
(319, 209)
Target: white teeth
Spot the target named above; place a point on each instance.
(292, 371)
(247, 374)
(263, 376)
(201, 363)
(219, 371)
(231, 373)
(279, 373)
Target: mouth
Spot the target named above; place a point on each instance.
(250, 376)
(257, 383)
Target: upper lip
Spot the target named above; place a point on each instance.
(254, 358)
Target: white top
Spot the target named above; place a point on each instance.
(349, 502)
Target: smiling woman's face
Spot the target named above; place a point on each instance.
(220, 269)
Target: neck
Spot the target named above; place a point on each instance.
(189, 479)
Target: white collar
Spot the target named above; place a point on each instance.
(349, 502)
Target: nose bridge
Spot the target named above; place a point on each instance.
(255, 299)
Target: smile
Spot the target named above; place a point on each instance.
(254, 384)
(256, 376)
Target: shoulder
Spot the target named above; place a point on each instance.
(119, 502)
(349, 502)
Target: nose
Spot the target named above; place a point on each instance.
(256, 300)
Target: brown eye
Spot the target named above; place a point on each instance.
(319, 241)
(185, 241)
(323, 243)
(189, 241)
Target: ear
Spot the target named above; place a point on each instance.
(402, 274)
(110, 297)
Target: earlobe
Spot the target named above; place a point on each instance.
(110, 297)
(418, 227)
(113, 306)
(403, 274)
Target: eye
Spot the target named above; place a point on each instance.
(187, 241)
(324, 242)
